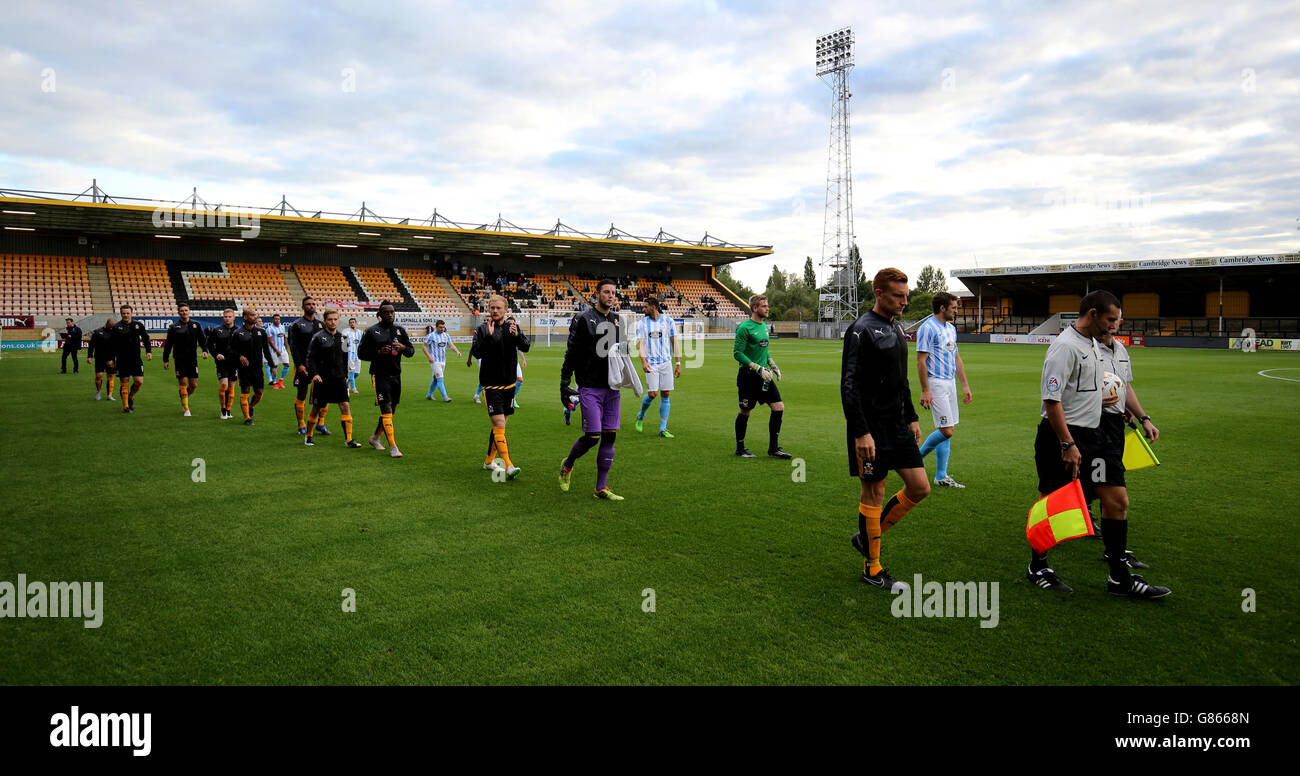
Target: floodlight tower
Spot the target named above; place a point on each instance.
(838, 264)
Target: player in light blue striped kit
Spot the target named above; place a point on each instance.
(352, 338)
(276, 333)
(661, 358)
(435, 347)
(937, 364)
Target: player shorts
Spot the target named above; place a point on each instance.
(101, 365)
(895, 449)
(944, 402)
(135, 369)
(228, 370)
(499, 401)
(660, 377)
(186, 369)
(438, 368)
(278, 358)
(601, 409)
(354, 366)
(388, 389)
(329, 391)
(1102, 465)
(753, 391)
(301, 380)
(251, 376)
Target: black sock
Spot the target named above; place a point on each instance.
(1114, 536)
(890, 504)
(1037, 561)
(774, 429)
(742, 422)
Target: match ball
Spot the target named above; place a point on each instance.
(1112, 390)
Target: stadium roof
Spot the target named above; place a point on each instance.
(1126, 276)
(43, 211)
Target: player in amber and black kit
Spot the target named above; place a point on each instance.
(100, 354)
(384, 345)
(227, 365)
(498, 342)
(183, 337)
(127, 336)
(327, 363)
(883, 430)
(251, 348)
(299, 337)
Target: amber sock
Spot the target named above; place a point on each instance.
(499, 436)
(869, 527)
(299, 406)
(387, 420)
(320, 416)
(125, 393)
(897, 508)
(185, 398)
(347, 427)
(492, 448)
(243, 405)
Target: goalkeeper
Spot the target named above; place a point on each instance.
(757, 378)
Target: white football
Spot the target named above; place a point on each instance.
(1112, 392)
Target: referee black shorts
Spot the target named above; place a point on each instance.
(895, 449)
(1102, 464)
(388, 389)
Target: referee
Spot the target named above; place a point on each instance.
(883, 429)
(1071, 442)
(1116, 358)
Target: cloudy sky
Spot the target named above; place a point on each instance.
(992, 133)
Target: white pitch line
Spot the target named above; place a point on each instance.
(1262, 373)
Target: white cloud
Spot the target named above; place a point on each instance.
(687, 116)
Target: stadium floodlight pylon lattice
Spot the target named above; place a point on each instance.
(838, 262)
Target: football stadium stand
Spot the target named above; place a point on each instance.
(142, 283)
(234, 284)
(44, 285)
(430, 292)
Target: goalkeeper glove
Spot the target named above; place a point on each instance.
(568, 396)
(776, 370)
(762, 371)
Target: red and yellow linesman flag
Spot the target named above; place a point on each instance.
(1137, 452)
(1062, 515)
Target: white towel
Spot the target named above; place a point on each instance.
(622, 372)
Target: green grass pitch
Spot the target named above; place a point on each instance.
(458, 579)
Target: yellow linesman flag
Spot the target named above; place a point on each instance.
(1137, 452)
(1062, 514)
